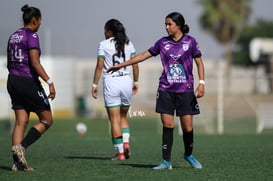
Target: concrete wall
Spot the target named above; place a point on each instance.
(73, 81)
(62, 72)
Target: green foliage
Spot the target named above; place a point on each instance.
(224, 19)
(262, 28)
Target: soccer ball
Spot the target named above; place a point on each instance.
(81, 128)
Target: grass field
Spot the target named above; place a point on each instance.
(61, 154)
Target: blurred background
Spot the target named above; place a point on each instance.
(235, 37)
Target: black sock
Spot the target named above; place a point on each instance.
(188, 142)
(167, 143)
(32, 136)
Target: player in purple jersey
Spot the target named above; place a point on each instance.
(24, 87)
(176, 85)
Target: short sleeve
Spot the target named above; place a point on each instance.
(195, 49)
(100, 51)
(33, 41)
(155, 49)
(132, 49)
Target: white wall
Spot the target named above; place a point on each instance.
(4, 97)
(73, 79)
(61, 70)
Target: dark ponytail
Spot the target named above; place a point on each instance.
(179, 21)
(119, 34)
(29, 13)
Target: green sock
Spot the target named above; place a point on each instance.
(117, 140)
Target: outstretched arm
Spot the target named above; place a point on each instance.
(136, 59)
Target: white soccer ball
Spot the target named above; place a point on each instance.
(81, 128)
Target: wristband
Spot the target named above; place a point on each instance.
(49, 81)
(94, 85)
(136, 82)
(202, 82)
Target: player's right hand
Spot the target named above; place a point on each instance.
(52, 92)
(113, 69)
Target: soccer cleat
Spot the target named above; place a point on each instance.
(19, 160)
(16, 167)
(119, 156)
(163, 165)
(127, 152)
(193, 162)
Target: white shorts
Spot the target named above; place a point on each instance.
(117, 91)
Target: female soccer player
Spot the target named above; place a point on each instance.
(24, 87)
(117, 87)
(176, 85)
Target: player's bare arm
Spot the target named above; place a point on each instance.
(97, 74)
(200, 90)
(35, 63)
(136, 59)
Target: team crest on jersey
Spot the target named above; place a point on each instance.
(185, 47)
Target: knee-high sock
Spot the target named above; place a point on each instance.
(167, 143)
(125, 135)
(32, 136)
(118, 144)
(188, 142)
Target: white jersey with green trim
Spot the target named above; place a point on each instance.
(108, 51)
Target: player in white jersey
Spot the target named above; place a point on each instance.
(118, 87)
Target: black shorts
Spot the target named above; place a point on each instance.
(182, 103)
(27, 93)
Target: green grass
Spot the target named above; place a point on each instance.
(61, 154)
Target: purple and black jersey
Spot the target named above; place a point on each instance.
(19, 44)
(177, 62)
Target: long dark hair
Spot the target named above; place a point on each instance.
(29, 13)
(119, 34)
(180, 21)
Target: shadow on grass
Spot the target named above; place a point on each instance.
(135, 165)
(87, 158)
(5, 168)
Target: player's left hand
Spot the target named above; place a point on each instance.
(113, 69)
(52, 92)
(200, 91)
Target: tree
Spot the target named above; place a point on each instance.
(261, 29)
(241, 56)
(225, 19)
